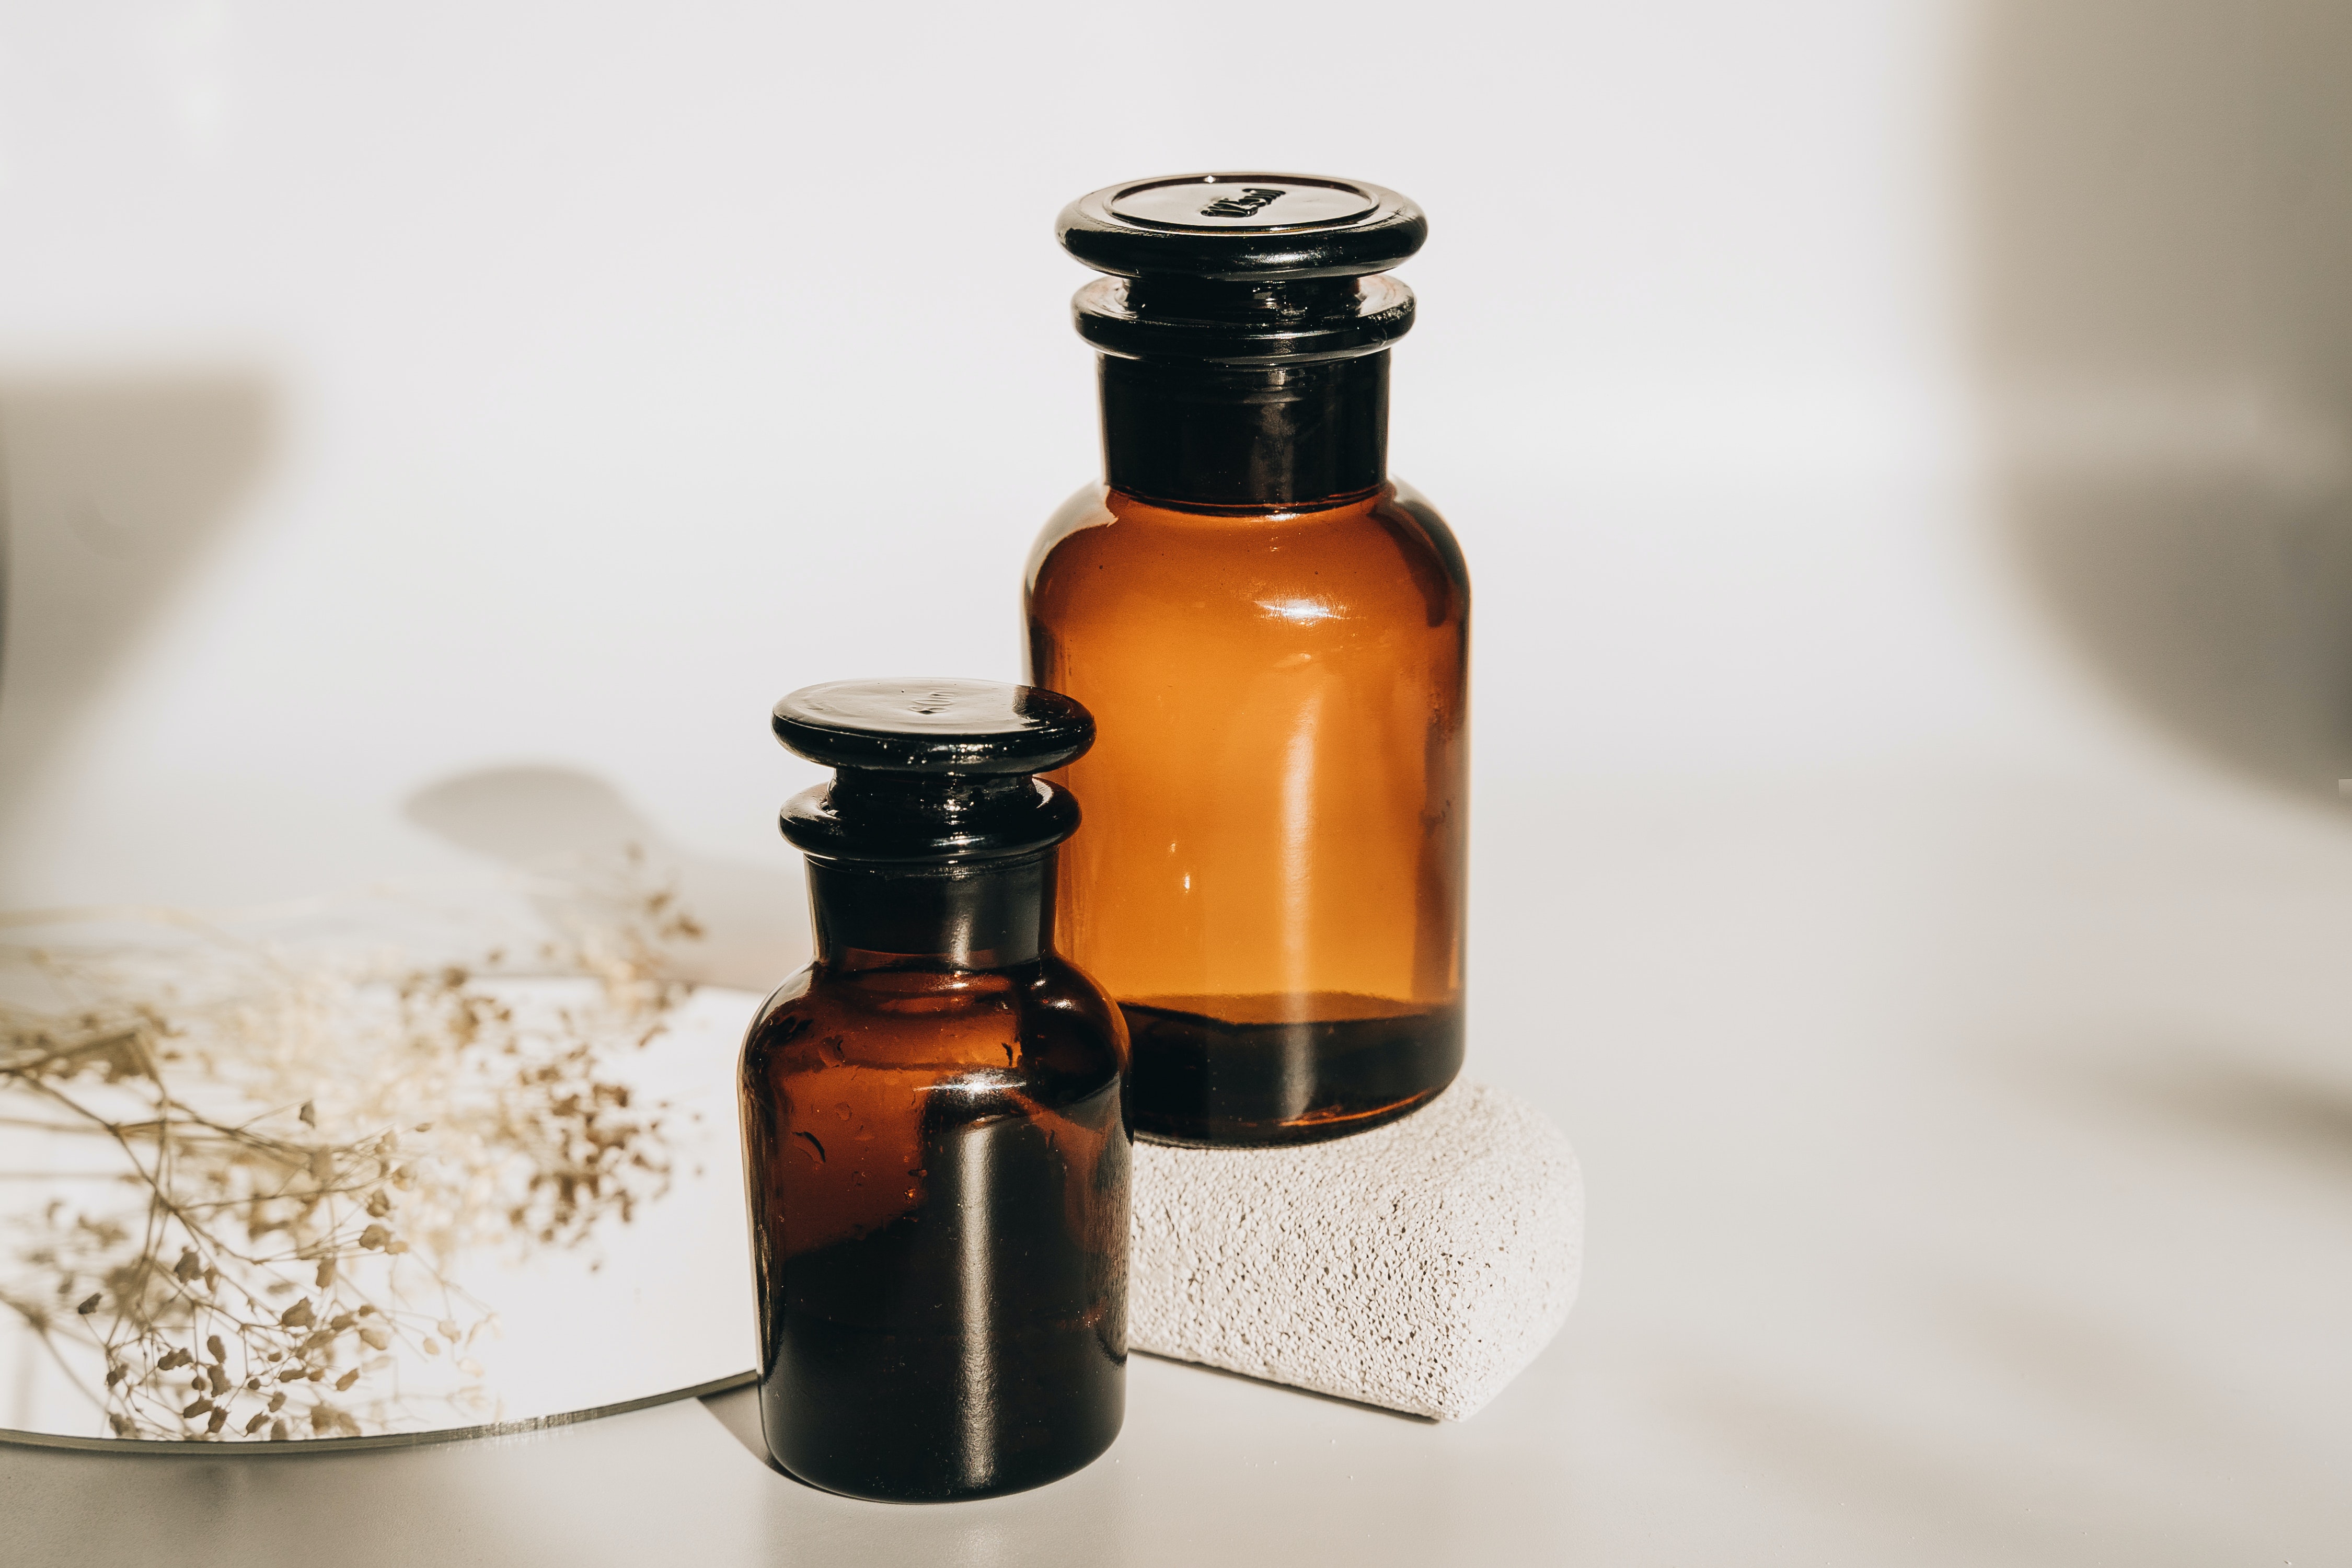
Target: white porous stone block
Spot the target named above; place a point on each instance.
(1420, 1266)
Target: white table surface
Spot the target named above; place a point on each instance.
(1970, 1163)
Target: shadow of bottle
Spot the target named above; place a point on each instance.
(2161, 198)
(755, 920)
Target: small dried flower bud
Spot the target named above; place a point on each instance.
(214, 1344)
(432, 1345)
(379, 1205)
(395, 1247)
(87, 1308)
(260, 1419)
(189, 1265)
(219, 1419)
(199, 1407)
(278, 1431)
(375, 1339)
(326, 1272)
(309, 1113)
(297, 1316)
(277, 1402)
(448, 1329)
(341, 1320)
(470, 1367)
(374, 1237)
(343, 1383)
(316, 1372)
(212, 1275)
(218, 1377)
(253, 1383)
(121, 1426)
(114, 1374)
(290, 1375)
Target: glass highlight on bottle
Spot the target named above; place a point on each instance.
(1273, 636)
(935, 1143)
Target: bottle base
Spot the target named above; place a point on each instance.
(1202, 1081)
(1064, 1466)
(891, 1427)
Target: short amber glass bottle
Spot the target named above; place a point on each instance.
(935, 1144)
(1274, 638)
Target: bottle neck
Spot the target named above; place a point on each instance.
(988, 914)
(1266, 438)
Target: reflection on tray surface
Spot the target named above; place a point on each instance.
(243, 1182)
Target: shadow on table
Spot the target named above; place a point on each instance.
(2223, 1098)
(738, 1410)
(1405, 1415)
(755, 920)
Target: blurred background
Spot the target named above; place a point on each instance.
(1901, 449)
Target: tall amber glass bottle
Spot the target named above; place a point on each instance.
(934, 1141)
(1273, 636)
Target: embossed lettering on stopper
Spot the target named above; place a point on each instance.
(1241, 201)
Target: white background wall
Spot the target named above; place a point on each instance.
(608, 370)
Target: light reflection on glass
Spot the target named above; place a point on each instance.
(1304, 612)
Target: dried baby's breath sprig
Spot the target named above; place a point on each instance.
(272, 1214)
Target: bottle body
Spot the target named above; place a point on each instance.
(1271, 878)
(937, 1158)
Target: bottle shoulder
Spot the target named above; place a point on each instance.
(1391, 548)
(1087, 507)
(1043, 1028)
(1414, 514)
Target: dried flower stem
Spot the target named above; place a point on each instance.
(311, 1144)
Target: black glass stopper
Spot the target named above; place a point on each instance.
(931, 770)
(1243, 268)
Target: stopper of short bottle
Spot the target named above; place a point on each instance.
(931, 770)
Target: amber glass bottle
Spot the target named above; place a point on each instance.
(1274, 637)
(935, 1144)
